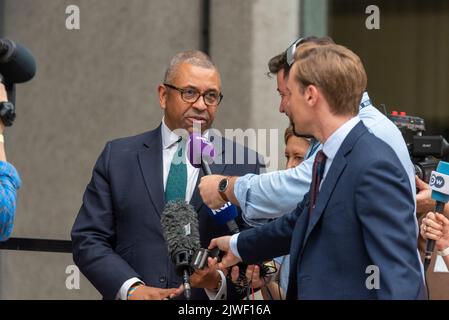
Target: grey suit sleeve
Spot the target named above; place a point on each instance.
(94, 234)
(385, 208)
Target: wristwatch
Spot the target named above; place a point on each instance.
(222, 186)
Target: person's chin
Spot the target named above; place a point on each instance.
(300, 134)
(189, 124)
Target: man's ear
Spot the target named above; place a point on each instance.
(162, 91)
(311, 95)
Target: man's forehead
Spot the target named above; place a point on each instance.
(191, 74)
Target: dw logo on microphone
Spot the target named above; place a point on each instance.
(437, 182)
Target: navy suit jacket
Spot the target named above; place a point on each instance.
(117, 234)
(364, 217)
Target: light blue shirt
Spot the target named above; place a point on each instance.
(274, 194)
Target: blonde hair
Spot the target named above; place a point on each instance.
(334, 69)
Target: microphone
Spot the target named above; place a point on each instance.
(180, 225)
(226, 215)
(439, 183)
(17, 64)
(201, 153)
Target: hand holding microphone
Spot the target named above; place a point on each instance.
(439, 183)
(436, 227)
(223, 243)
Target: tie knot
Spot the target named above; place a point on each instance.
(320, 156)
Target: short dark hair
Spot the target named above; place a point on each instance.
(279, 62)
(193, 57)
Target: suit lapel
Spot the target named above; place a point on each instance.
(338, 165)
(151, 165)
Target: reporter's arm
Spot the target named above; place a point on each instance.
(271, 195)
(9, 183)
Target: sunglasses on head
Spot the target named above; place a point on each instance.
(291, 51)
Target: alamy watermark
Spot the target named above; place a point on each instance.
(235, 146)
(372, 22)
(72, 21)
(72, 281)
(373, 280)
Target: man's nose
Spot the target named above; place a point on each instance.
(200, 104)
(281, 107)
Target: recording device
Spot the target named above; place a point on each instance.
(180, 225)
(425, 151)
(439, 183)
(17, 65)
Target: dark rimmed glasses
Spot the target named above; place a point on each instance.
(212, 98)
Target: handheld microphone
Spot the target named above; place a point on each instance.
(180, 225)
(439, 183)
(201, 152)
(17, 64)
(226, 215)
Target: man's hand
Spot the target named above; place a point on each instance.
(424, 202)
(207, 278)
(223, 243)
(209, 191)
(435, 226)
(252, 275)
(151, 293)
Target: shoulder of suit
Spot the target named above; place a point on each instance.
(136, 140)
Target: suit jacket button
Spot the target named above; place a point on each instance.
(162, 279)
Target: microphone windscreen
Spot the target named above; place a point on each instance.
(180, 226)
(439, 182)
(199, 148)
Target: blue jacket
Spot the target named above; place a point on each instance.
(364, 217)
(117, 234)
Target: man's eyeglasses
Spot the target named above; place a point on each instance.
(291, 51)
(211, 98)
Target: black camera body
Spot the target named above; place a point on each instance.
(8, 109)
(425, 151)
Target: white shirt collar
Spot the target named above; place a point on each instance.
(333, 143)
(169, 138)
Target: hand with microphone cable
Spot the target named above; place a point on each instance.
(224, 244)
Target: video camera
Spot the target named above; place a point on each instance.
(425, 151)
(17, 65)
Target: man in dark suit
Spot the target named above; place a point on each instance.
(353, 236)
(118, 241)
